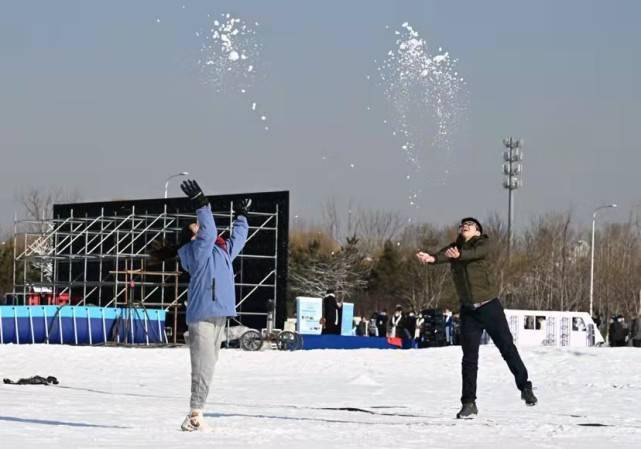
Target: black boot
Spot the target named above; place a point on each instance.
(468, 411)
(528, 396)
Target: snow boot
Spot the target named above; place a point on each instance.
(468, 411)
(528, 396)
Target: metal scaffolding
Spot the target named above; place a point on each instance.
(103, 260)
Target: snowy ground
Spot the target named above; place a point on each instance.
(125, 397)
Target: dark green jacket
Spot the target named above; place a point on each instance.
(470, 272)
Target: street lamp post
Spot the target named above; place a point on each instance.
(164, 232)
(182, 173)
(594, 214)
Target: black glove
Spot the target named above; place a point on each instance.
(195, 193)
(241, 207)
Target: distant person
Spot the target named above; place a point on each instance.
(456, 329)
(420, 320)
(409, 330)
(481, 311)
(635, 331)
(396, 322)
(361, 329)
(617, 333)
(372, 329)
(449, 327)
(332, 314)
(381, 323)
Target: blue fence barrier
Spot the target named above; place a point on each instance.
(348, 342)
(81, 325)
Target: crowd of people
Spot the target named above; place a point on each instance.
(430, 327)
(622, 334)
(409, 326)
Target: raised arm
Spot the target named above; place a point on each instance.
(239, 232)
(203, 244)
(205, 239)
(240, 228)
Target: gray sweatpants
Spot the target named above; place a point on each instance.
(205, 338)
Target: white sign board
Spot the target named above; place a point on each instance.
(309, 312)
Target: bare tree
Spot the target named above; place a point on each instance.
(377, 226)
(425, 286)
(318, 264)
(38, 204)
(38, 211)
(338, 224)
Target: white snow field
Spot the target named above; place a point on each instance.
(137, 398)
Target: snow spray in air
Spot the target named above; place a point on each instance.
(230, 54)
(426, 95)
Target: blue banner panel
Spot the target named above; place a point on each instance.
(80, 325)
(343, 342)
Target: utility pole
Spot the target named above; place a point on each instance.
(594, 215)
(512, 169)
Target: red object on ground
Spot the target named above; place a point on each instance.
(396, 341)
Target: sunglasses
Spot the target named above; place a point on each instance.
(467, 224)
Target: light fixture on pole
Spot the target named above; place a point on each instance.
(594, 214)
(182, 173)
(512, 169)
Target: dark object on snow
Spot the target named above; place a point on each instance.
(35, 380)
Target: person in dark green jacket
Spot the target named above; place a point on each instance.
(481, 311)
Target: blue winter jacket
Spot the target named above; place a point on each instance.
(211, 286)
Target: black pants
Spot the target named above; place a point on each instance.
(491, 318)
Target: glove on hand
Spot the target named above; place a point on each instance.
(241, 207)
(194, 193)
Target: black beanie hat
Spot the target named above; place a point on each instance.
(475, 221)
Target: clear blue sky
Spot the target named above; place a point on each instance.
(101, 98)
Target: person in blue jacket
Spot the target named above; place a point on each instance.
(211, 292)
